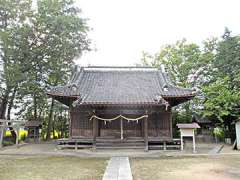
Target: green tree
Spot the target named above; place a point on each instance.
(188, 65)
(222, 97)
(227, 60)
(185, 62)
(13, 28)
(38, 48)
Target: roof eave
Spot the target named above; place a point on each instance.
(120, 104)
(62, 95)
(66, 100)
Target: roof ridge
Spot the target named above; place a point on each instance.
(120, 68)
(77, 75)
(116, 67)
(167, 79)
(161, 77)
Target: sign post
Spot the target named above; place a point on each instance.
(188, 130)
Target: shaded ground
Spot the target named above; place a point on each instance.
(30, 148)
(51, 168)
(198, 168)
(49, 148)
(229, 149)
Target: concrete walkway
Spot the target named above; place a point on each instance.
(216, 149)
(118, 169)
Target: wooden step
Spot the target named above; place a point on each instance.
(120, 147)
(120, 140)
(67, 146)
(120, 144)
(161, 147)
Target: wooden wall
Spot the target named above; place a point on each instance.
(80, 124)
(159, 125)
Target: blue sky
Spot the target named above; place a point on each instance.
(122, 29)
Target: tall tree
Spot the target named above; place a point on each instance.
(13, 26)
(222, 97)
(38, 46)
(187, 64)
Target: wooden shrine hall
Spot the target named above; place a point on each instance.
(117, 106)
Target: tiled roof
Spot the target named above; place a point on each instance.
(200, 119)
(33, 124)
(188, 126)
(126, 85)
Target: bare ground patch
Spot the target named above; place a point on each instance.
(196, 168)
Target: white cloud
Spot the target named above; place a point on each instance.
(122, 29)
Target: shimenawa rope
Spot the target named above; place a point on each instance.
(119, 116)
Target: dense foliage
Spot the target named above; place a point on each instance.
(213, 68)
(38, 45)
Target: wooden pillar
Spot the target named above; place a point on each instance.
(17, 137)
(70, 121)
(181, 141)
(121, 124)
(194, 144)
(95, 128)
(1, 134)
(164, 146)
(34, 135)
(38, 135)
(76, 145)
(146, 133)
(170, 117)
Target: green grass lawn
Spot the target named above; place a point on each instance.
(51, 168)
(194, 168)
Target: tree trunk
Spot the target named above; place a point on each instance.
(3, 106)
(53, 126)
(49, 124)
(10, 104)
(35, 107)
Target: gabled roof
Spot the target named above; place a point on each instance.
(200, 119)
(120, 85)
(33, 124)
(188, 125)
